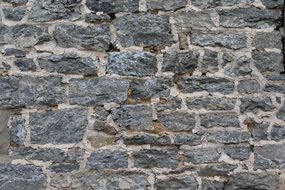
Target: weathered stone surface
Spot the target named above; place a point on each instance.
(14, 14)
(180, 62)
(275, 87)
(93, 18)
(141, 139)
(21, 177)
(153, 158)
(267, 62)
(228, 137)
(134, 117)
(63, 167)
(259, 131)
(278, 132)
(98, 91)
(132, 63)
(25, 64)
(212, 185)
(238, 152)
(165, 5)
(248, 86)
(261, 181)
(30, 91)
(113, 6)
(23, 35)
(202, 155)
(17, 130)
(173, 182)
(221, 39)
(256, 104)
(59, 181)
(241, 68)
(229, 119)
(218, 3)
(91, 37)
(273, 4)
(58, 127)
(220, 169)
(250, 17)
(281, 113)
(15, 52)
(210, 103)
(107, 159)
(69, 63)
(152, 88)
(188, 20)
(210, 84)
(143, 30)
(187, 139)
(168, 103)
(100, 140)
(177, 121)
(210, 62)
(17, 2)
(109, 180)
(267, 40)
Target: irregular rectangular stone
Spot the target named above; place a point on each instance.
(14, 14)
(204, 4)
(113, 6)
(25, 64)
(281, 113)
(176, 121)
(275, 87)
(156, 158)
(90, 38)
(231, 40)
(248, 86)
(69, 63)
(210, 62)
(268, 62)
(134, 117)
(260, 131)
(229, 119)
(187, 139)
(228, 137)
(17, 2)
(256, 104)
(98, 91)
(188, 84)
(261, 181)
(21, 177)
(173, 182)
(107, 159)
(238, 152)
(140, 139)
(26, 91)
(241, 68)
(132, 63)
(168, 103)
(219, 169)
(278, 132)
(201, 155)
(58, 127)
(165, 5)
(210, 103)
(250, 17)
(212, 185)
(180, 62)
(143, 30)
(267, 40)
(15, 52)
(63, 167)
(273, 3)
(17, 130)
(43, 11)
(93, 18)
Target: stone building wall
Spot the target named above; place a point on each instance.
(142, 94)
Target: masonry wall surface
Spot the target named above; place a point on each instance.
(142, 95)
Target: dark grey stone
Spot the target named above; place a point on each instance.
(172, 182)
(113, 6)
(210, 62)
(259, 131)
(212, 185)
(187, 139)
(63, 167)
(256, 104)
(201, 155)
(58, 127)
(238, 152)
(241, 68)
(21, 177)
(267, 62)
(229, 119)
(267, 40)
(275, 87)
(152, 158)
(143, 30)
(281, 113)
(227, 57)
(278, 132)
(188, 84)
(165, 5)
(204, 4)
(141, 139)
(90, 38)
(15, 52)
(210, 103)
(93, 18)
(180, 62)
(228, 137)
(14, 14)
(273, 3)
(169, 103)
(98, 91)
(17, 130)
(248, 86)
(25, 64)
(219, 169)
(108, 159)
(16, 2)
(69, 63)
(132, 63)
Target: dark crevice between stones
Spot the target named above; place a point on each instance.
(112, 48)
(112, 16)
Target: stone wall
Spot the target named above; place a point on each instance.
(142, 94)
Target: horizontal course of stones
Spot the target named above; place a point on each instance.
(143, 94)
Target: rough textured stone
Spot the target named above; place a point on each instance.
(68, 64)
(165, 5)
(256, 104)
(202, 155)
(210, 62)
(30, 91)
(273, 3)
(180, 62)
(259, 131)
(281, 113)
(241, 68)
(261, 181)
(212, 185)
(91, 38)
(21, 177)
(278, 133)
(267, 40)
(218, 3)
(197, 84)
(143, 30)
(267, 62)
(250, 17)
(229, 119)
(15, 52)
(93, 18)
(228, 137)
(238, 152)
(137, 64)
(25, 64)
(14, 14)
(269, 157)
(58, 127)
(248, 86)
(187, 139)
(17, 2)
(98, 91)
(221, 39)
(141, 139)
(108, 159)
(220, 169)
(276, 87)
(210, 103)
(177, 121)
(17, 130)
(168, 103)
(152, 158)
(113, 6)
(173, 182)
(134, 117)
